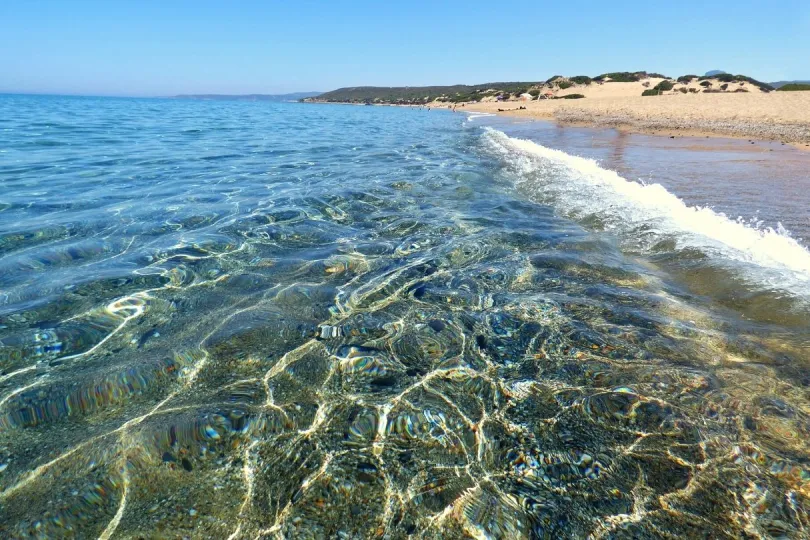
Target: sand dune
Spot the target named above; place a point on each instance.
(782, 116)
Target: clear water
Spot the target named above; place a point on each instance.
(241, 320)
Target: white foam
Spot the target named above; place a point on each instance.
(473, 115)
(646, 214)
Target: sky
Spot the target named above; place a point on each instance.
(168, 47)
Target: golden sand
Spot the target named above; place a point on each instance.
(779, 116)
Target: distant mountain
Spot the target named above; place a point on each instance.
(295, 96)
(714, 72)
(780, 84)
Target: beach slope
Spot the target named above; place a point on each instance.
(779, 116)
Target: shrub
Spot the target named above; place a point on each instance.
(686, 78)
(664, 86)
(459, 98)
(740, 90)
(795, 87)
(693, 90)
(725, 77)
(682, 90)
(534, 92)
(553, 78)
(657, 76)
(705, 84)
(565, 84)
(724, 86)
(621, 76)
(581, 79)
(658, 89)
(570, 96)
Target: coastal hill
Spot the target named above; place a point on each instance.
(415, 95)
(721, 104)
(780, 84)
(556, 87)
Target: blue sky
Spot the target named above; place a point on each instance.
(168, 47)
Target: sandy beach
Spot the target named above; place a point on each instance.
(776, 116)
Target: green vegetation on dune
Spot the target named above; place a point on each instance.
(581, 79)
(794, 87)
(728, 78)
(622, 76)
(660, 88)
(628, 76)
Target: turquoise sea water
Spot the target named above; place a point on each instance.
(241, 320)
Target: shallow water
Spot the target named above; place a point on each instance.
(254, 320)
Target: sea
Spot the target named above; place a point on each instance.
(284, 320)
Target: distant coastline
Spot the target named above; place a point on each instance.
(295, 96)
(716, 104)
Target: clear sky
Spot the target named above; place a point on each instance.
(166, 47)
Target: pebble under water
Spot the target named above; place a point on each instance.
(242, 320)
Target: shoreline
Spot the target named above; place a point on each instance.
(618, 114)
(739, 117)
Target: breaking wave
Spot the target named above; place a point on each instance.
(647, 218)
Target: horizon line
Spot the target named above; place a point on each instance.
(154, 96)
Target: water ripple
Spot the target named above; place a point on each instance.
(239, 320)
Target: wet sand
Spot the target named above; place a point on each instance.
(765, 181)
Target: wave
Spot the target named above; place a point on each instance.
(648, 218)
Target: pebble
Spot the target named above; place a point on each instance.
(437, 325)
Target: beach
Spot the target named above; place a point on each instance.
(776, 116)
(334, 270)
